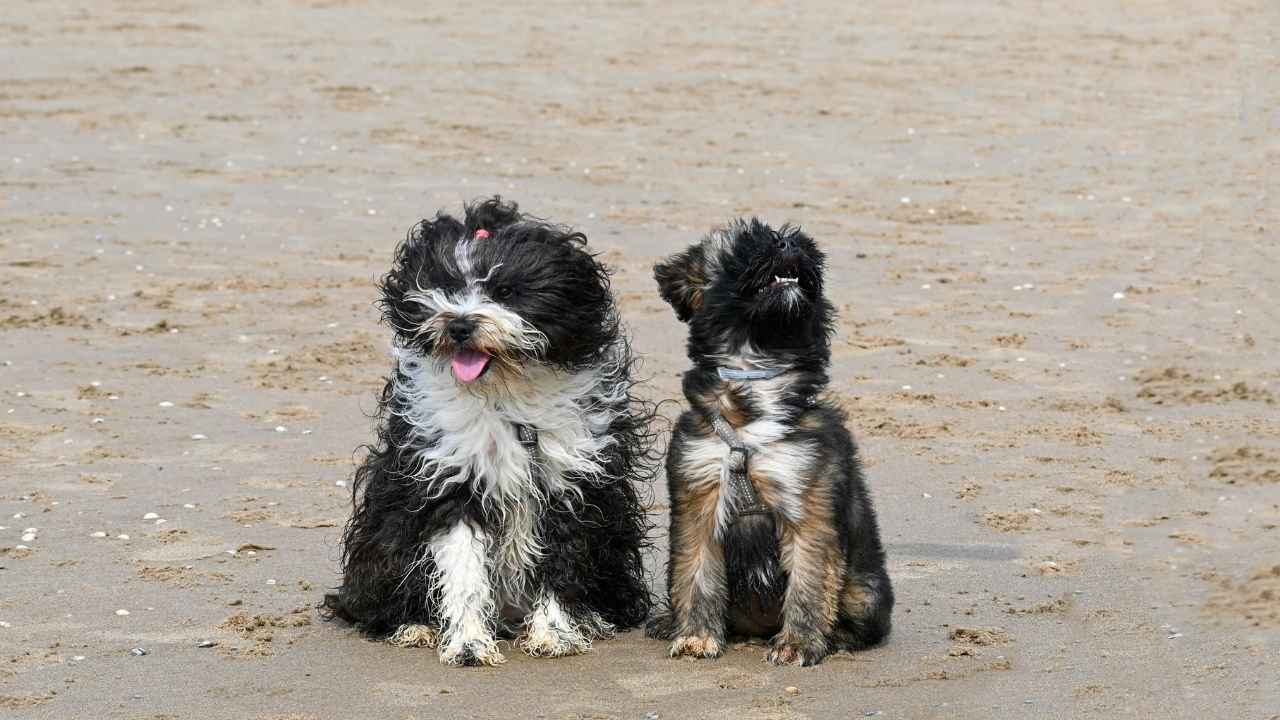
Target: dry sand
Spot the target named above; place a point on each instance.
(1052, 230)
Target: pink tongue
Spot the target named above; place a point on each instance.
(468, 364)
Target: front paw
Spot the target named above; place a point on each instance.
(699, 646)
(553, 642)
(797, 651)
(472, 653)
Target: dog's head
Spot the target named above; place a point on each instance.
(496, 292)
(748, 285)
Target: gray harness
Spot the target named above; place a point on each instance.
(528, 436)
(742, 494)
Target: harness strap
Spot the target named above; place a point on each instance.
(742, 494)
(528, 436)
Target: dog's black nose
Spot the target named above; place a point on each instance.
(460, 329)
(784, 244)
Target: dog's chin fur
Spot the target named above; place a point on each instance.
(811, 573)
(460, 534)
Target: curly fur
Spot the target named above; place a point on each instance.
(459, 533)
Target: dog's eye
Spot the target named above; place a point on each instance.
(502, 292)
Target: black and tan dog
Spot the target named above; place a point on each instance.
(772, 529)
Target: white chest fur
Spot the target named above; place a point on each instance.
(462, 434)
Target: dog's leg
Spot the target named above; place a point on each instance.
(466, 598)
(699, 593)
(561, 621)
(815, 575)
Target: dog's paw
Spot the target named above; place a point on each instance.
(472, 653)
(699, 646)
(551, 630)
(548, 641)
(411, 636)
(804, 653)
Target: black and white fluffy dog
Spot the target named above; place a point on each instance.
(788, 548)
(499, 499)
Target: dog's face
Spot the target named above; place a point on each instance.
(497, 292)
(748, 285)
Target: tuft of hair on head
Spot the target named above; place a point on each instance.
(491, 215)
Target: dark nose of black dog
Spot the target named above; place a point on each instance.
(460, 329)
(785, 245)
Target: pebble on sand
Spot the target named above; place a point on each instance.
(98, 534)
(150, 516)
(199, 436)
(122, 612)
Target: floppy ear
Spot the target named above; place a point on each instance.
(681, 280)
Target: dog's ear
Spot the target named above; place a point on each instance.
(682, 278)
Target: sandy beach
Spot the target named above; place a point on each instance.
(1053, 240)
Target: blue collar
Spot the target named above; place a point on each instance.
(728, 373)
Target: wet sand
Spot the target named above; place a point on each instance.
(1053, 242)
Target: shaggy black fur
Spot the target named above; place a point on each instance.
(731, 289)
(592, 561)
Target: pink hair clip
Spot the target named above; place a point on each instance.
(481, 234)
